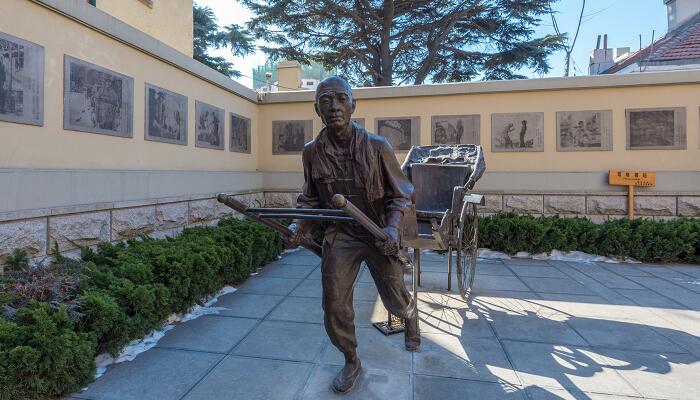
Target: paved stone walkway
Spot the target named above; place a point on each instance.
(534, 330)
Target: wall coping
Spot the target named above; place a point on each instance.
(521, 85)
(11, 216)
(96, 19)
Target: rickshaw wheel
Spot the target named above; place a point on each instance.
(467, 234)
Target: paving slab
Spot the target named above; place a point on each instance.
(687, 298)
(488, 282)
(476, 359)
(309, 288)
(298, 309)
(270, 286)
(565, 367)
(287, 271)
(157, 374)
(539, 272)
(657, 375)
(301, 259)
(648, 298)
(292, 341)
(248, 378)
(366, 292)
(492, 269)
(627, 335)
(210, 333)
(434, 387)
(373, 384)
(375, 350)
(447, 313)
(556, 285)
(535, 330)
(540, 393)
(247, 305)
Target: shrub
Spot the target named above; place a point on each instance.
(122, 291)
(42, 356)
(644, 240)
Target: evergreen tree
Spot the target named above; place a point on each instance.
(385, 42)
(208, 35)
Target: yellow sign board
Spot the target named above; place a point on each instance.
(632, 178)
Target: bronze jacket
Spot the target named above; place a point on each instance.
(377, 175)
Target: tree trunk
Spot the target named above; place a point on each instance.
(386, 63)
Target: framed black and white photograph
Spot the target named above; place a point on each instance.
(517, 132)
(21, 81)
(96, 99)
(401, 132)
(359, 121)
(584, 130)
(240, 134)
(289, 137)
(209, 126)
(656, 128)
(166, 115)
(455, 129)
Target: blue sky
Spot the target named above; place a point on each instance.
(622, 20)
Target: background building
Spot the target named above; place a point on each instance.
(679, 49)
(311, 75)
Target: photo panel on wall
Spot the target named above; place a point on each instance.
(517, 132)
(239, 139)
(401, 132)
(96, 99)
(359, 121)
(656, 128)
(455, 129)
(289, 137)
(21, 81)
(166, 116)
(584, 130)
(209, 126)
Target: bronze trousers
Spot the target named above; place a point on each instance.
(342, 256)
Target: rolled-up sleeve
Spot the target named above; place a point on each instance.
(309, 195)
(398, 189)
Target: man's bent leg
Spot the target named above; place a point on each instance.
(387, 273)
(339, 268)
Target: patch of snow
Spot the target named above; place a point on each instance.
(555, 255)
(138, 346)
(491, 254)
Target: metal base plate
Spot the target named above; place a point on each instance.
(387, 330)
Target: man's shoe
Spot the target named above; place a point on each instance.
(412, 335)
(346, 378)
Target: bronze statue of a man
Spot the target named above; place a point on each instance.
(345, 158)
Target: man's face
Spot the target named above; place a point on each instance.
(335, 105)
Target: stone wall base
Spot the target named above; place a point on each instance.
(40, 232)
(67, 229)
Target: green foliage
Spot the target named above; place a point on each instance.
(124, 291)
(208, 35)
(42, 356)
(18, 261)
(381, 43)
(643, 240)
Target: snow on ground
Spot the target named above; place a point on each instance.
(138, 346)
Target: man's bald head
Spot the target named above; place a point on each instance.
(333, 84)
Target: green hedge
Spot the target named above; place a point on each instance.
(644, 240)
(124, 291)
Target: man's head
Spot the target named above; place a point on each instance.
(334, 103)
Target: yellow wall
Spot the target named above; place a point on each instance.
(169, 21)
(616, 99)
(50, 146)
